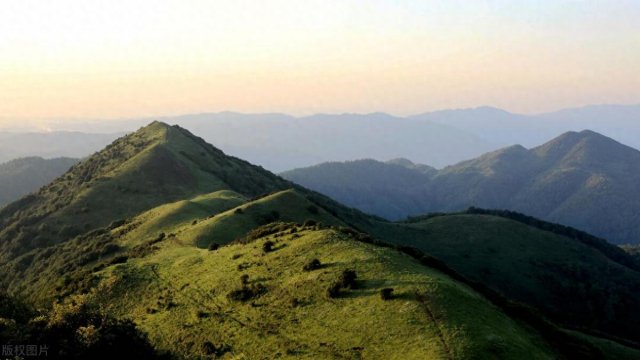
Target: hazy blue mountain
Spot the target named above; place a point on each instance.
(439, 138)
(621, 122)
(390, 190)
(22, 176)
(584, 180)
(319, 138)
(51, 144)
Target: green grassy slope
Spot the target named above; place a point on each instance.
(132, 227)
(56, 271)
(179, 296)
(220, 217)
(288, 206)
(153, 166)
(571, 282)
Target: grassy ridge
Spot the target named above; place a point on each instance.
(179, 295)
(566, 279)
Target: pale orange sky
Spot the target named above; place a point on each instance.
(106, 59)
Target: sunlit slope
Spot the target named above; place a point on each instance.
(153, 166)
(173, 217)
(573, 283)
(42, 274)
(179, 295)
(288, 206)
(219, 217)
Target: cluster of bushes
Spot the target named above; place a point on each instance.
(247, 291)
(386, 294)
(267, 247)
(347, 280)
(265, 230)
(358, 236)
(209, 349)
(314, 264)
(74, 329)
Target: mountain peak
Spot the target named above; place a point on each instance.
(583, 141)
(157, 164)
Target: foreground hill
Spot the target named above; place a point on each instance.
(584, 180)
(211, 256)
(568, 275)
(22, 176)
(182, 296)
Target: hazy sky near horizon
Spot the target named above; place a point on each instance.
(115, 58)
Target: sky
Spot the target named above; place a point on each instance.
(114, 59)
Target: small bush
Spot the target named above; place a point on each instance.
(334, 290)
(209, 349)
(214, 246)
(386, 294)
(348, 279)
(312, 265)
(238, 211)
(267, 246)
(244, 279)
(246, 293)
(295, 302)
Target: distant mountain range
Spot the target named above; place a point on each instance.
(22, 176)
(281, 142)
(52, 144)
(620, 122)
(584, 180)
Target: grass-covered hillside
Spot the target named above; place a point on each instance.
(22, 176)
(153, 166)
(577, 280)
(244, 301)
(164, 244)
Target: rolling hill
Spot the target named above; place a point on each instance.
(22, 176)
(584, 180)
(209, 256)
(566, 274)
